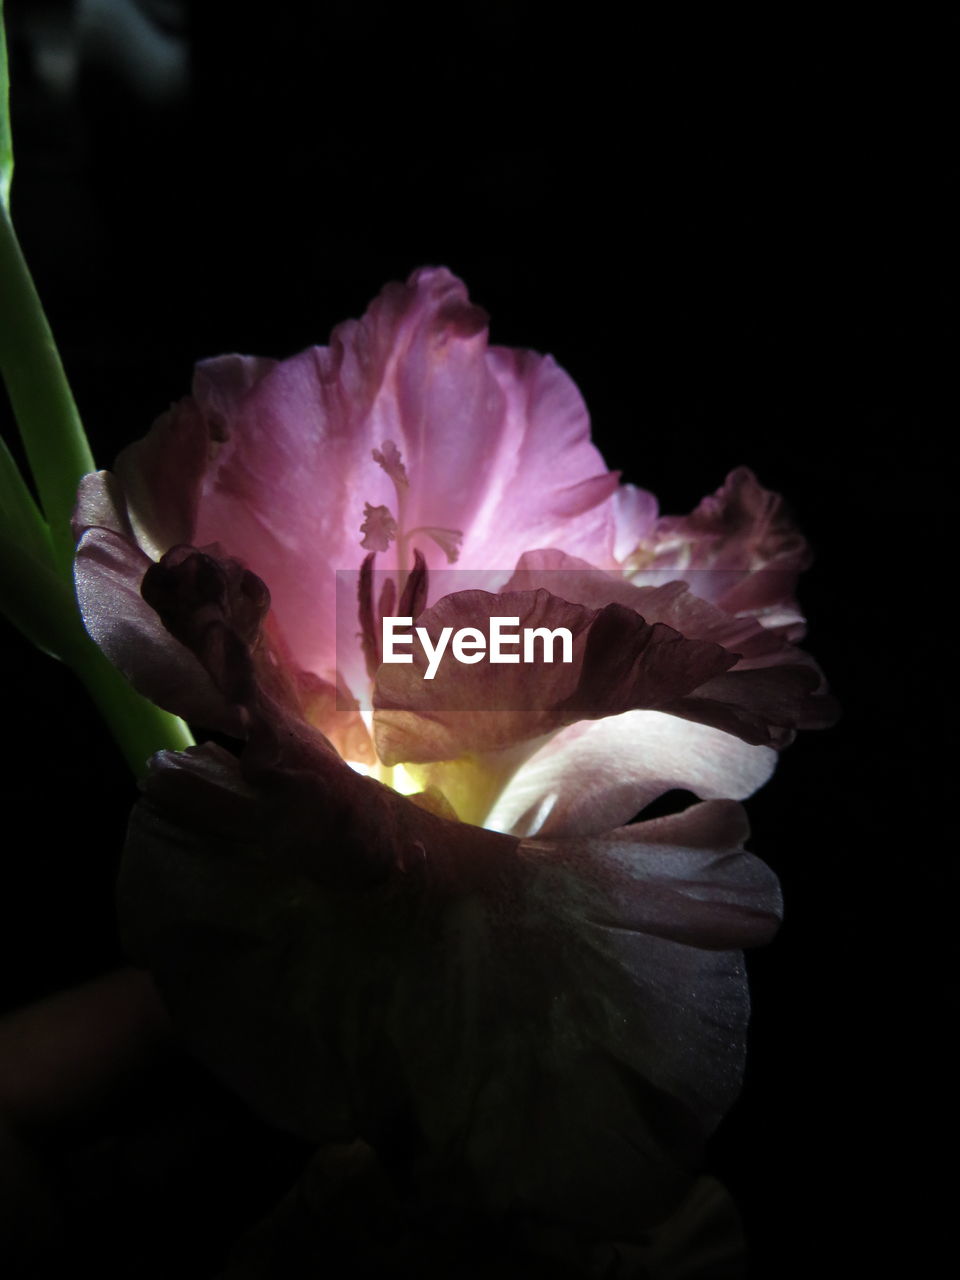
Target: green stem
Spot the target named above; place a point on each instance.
(38, 601)
(36, 554)
(42, 401)
(139, 727)
(6, 142)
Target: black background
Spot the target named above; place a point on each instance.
(731, 231)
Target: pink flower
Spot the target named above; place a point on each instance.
(483, 1005)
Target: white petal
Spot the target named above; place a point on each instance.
(595, 776)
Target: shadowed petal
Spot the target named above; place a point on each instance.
(619, 663)
(109, 570)
(216, 608)
(547, 1024)
(101, 504)
(668, 599)
(162, 477)
(542, 1027)
(773, 689)
(747, 541)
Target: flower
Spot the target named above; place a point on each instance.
(531, 1007)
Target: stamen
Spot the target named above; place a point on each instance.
(369, 631)
(448, 540)
(388, 598)
(379, 528)
(413, 601)
(414, 598)
(388, 456)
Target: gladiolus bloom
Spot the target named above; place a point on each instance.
(527, 1005)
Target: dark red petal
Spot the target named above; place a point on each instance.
(216, 609)
(619, 663)
(109, 571)
(774, 687)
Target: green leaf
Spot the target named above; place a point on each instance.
(6, 142)
(43, 404)
(36, 549)
(37, 600)
(53, 436)
(20, 517)
(139, 727)
(43, 607)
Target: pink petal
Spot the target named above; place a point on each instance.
(739, 549)
(670, 601)
(635, 514)
(222, 382)
(495, 445)
(537, 480)
(174, 644)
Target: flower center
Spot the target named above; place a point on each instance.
(381, 527)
